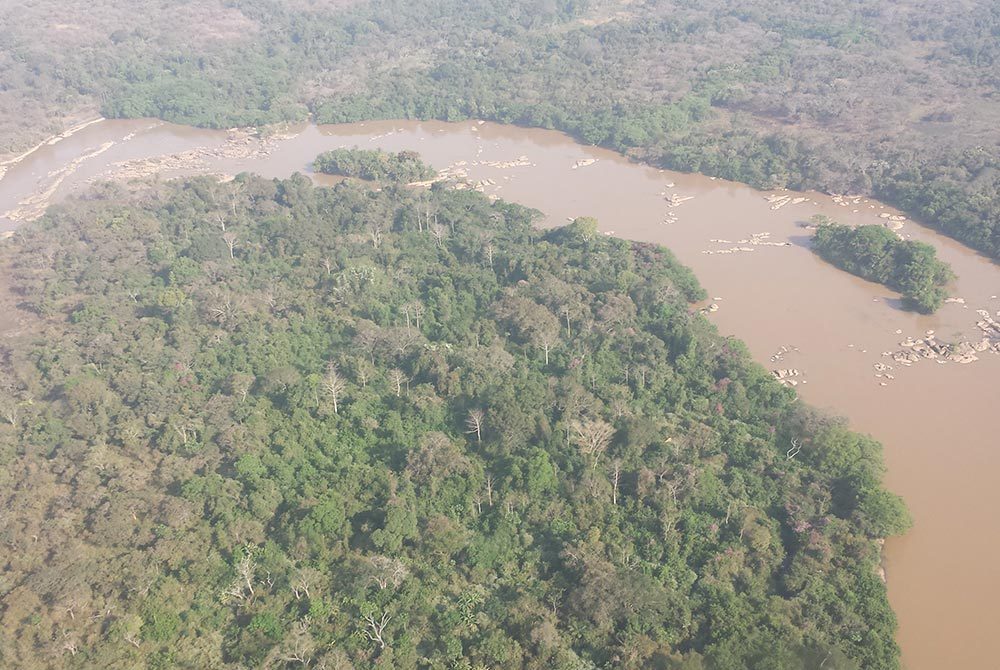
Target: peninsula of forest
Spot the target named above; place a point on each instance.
(263, 424)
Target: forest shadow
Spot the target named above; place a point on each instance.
(804, 241)
(895, 303)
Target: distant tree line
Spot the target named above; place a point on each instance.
(810, 95)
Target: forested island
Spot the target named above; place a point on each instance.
(374, 165)
(877, 254)
(896, 101)
(263, 424)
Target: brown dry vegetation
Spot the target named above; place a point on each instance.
(828, 71)
(320, 6)
(49, 52)
(82, 23)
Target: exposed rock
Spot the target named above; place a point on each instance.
(783, 351)
(675, 200)
(746, 245)
(787, 376)
(34, 206)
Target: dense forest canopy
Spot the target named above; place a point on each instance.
(896, 99)
(403, 167)
(262, 424)
(877, 254)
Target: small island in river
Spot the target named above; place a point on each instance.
(877, 254)
(374, 165)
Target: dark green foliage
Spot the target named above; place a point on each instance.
(877, 254)
(404, 167)
(626, 503)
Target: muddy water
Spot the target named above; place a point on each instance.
(936, 419)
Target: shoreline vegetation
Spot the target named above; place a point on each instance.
(473, 442)
(877, 254)
(375, 165)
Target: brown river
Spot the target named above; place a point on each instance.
(844, 343)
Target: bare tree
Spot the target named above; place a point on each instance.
(406, 313)
(401, 340)
(375, 627)
(530, 321)
(363, 371)
(375, 232)
(230, 239)
(388, 572)
(438, 232)
(424, 212)
(11, 412)
(225, 311)
(414, 309)
(620, 406)
(418, 311)
(674, 486)
(70, 644)
(572, 401)
(474, 422)
(185, 431)
(335, 385)
(546, 339)
(566, 311)
(593, 435)
(247, 569)
(616, 474)
(489, 489)
(368, 337)
(398, 377)
(642, 370)
(298, 647)
(303, 582)
(240, 384)
(794, 450)
(680, 478)
(241, 587)
(235, 189)
(486, 242)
